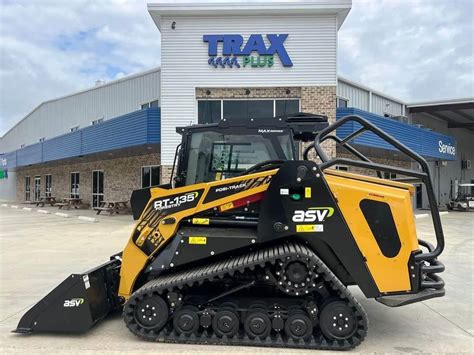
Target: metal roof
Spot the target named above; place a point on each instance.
(253, 8)
(96, 87)
(458, 113)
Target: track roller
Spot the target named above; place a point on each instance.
(186, 320)
(257, 324)
(225, 323)
(337, 320)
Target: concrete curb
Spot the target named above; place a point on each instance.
(88, 219)
(14, 206)
(43, 211)
(65, 215)
(421, 215)
(27, 209)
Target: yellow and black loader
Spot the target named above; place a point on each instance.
(247, 245)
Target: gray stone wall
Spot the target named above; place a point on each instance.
(121, 176)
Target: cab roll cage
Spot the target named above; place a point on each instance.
(365, 162)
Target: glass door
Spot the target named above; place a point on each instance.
(97, 187)
(37, 188)
(27, 188)
(48, 189)
(74, 185)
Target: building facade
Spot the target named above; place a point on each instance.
(218, 61)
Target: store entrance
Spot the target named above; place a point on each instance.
(37, 190)
(97, 187)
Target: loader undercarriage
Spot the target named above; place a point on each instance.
(280, 296)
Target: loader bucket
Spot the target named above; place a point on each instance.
(77, 303)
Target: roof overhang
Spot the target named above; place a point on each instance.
(340, 8)
(458, 113)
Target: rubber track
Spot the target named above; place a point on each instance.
(221, 269)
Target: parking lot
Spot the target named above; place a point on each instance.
(38, 250)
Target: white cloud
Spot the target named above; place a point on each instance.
(52, 48)
(415, 50)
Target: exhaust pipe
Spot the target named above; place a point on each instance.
(77, 303)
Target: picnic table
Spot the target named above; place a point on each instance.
(50, 200)
(112, 207)
(67, 203)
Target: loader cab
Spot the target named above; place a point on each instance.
(229, 148)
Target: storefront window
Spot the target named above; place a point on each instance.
(247, 109)
(342, 102)
(49, 185)
(209, 111)
(286, 107)
(27, 188)
(212, 111)
(74, 185)
(150, 176)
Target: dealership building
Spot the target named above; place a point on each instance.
(221, 61)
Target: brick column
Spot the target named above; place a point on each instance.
(321, 100)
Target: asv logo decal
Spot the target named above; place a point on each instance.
(73, 302)
(177, 201)
(313, 214)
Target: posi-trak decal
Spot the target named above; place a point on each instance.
(73, 302)
(313, 214)
(176, 201)
(224, 190)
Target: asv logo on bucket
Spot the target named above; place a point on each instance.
(446, 148)
(313, 214)
(73, 302)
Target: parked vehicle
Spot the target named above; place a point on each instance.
(464, 199)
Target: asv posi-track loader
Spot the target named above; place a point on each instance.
(249, 246)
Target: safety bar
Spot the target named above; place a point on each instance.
(424, 175)
(429, 269)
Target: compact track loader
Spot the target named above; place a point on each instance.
(247, 245)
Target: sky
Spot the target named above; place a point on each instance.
(415, 50)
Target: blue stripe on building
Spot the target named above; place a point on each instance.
(429, 144)
(133, 129)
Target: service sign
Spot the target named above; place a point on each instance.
(232, 51)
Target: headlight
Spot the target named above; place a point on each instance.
(463, 204)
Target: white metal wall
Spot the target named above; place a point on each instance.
(365, 99)
(109, 100)
(311, 45)
(357, 96)
(382, 105)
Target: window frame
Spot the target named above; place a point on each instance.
(48, 185)
(78, 194)
(97, 121)
(343, 99)
(148, 103)
(100, 195)
(274, 99)
(28, 188)
(141, 175)
(37, 188)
